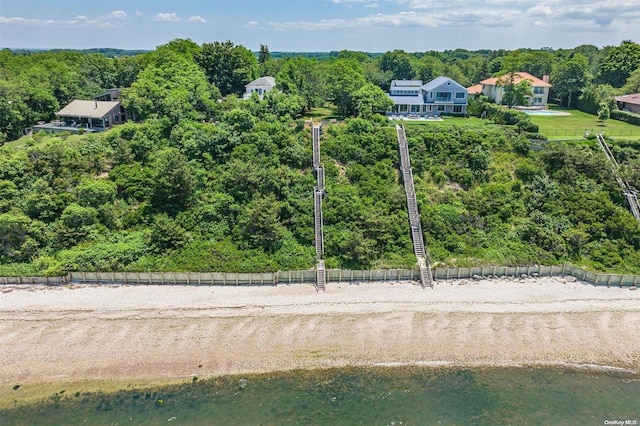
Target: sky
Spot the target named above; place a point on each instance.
(320, 25)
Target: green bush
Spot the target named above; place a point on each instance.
(537, 136)
(625, 116)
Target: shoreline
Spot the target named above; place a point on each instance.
(43, 392)
(50, 336)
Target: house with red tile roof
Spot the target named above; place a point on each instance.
(629, 102)
(492, 88)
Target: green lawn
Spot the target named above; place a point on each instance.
(573, 126)
(325, 112)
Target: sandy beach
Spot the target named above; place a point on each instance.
(89, 332)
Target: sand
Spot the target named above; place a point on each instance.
(89, 332)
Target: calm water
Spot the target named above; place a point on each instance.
(381, 396)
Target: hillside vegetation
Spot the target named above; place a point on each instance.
(237, 196)
(207, 182)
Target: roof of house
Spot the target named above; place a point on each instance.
(406, 83)
(262, 82)
(519, 76)
(407, 100)
(433, 84)
(633, 98)
(89, 109)
(475, 90)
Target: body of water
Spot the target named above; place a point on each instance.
(358, 396)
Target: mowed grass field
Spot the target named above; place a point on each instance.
(573, 126)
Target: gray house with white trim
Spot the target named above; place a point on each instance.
(441, 96)
(261, 86)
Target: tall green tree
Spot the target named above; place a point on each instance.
(619, 63)
(398, 63)
(370, 99)
(569, 77)
(344, 78)
(302, 76)
(227, 66)
(174, 87)
(633, 83)
(264, 54)
(537, 62)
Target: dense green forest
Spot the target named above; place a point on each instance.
(209, 182)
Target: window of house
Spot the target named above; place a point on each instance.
(457, 109)
(460, 95)
(443, 96)
(415, 108)
(538, 90)
(402, 108)
(440, 107)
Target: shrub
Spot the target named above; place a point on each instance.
(625, 116)
(41, 134)
(537, 136)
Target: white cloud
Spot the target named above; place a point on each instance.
(81, 21)
(516, 15)
(117, 14)
(198, 19)
(16, 20)
(253, 24)
(401, 19)
(167, 17)
(138, 13)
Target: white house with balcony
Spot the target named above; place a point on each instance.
(441, 96)
(260, 86)
(493, 88)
